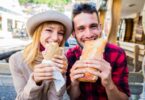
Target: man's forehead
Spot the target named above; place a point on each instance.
(85, 18)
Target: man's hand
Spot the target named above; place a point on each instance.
(104, 70)
(76, 72)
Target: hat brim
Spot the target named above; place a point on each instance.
(50, 15)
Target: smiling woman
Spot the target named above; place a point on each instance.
(33, 79)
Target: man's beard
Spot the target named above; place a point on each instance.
(81, 44)
(78, 42)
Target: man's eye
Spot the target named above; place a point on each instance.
(81, 29)
(94, 26)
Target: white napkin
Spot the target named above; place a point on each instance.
(59, 80)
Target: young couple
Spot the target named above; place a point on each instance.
(33, 80)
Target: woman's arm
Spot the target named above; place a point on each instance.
(26, 89)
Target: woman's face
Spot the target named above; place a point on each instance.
(53, 32)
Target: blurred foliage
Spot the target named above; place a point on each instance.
(50, 3)
(57, 4)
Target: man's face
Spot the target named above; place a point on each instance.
(86, 27)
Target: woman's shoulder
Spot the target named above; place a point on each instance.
(17, 55)
(16, 61)
(16, 58)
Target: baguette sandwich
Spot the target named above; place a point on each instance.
(92, 49)
(51, 50)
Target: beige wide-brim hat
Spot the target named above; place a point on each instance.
(51, 15)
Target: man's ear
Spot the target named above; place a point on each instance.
(100, 27)
(73, 34)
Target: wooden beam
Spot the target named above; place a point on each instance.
(135, 51)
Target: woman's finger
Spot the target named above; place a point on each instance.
(43, 74)
(38, 79)
(43, 70)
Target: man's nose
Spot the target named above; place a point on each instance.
(88, 33)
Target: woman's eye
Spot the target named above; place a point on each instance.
(61, 33)
(48, 30)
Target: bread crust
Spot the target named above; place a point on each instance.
(92, 50)
(51, 50)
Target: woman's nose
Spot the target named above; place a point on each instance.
(55, 37)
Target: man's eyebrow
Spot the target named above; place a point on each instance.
(80, 26)
(95, 24)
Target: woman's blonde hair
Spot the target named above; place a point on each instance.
(33, 49)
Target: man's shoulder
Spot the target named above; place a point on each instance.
(113, 48)
(74, 51)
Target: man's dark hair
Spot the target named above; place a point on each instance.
(86, 8)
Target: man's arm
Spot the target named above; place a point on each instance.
(114, 94)
(105, 73)
(112, 91)
(74, 89)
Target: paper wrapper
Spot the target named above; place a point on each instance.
(51, 50)
(92, 49)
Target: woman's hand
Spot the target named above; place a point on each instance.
(43, 72)
(61, 63)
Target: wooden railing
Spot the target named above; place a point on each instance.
(136, 79)
(135, 51)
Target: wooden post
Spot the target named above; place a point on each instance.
(143, 20)
(135, 60)
(128, 30)
(102, 17)
(143, 67)
(116, 10)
